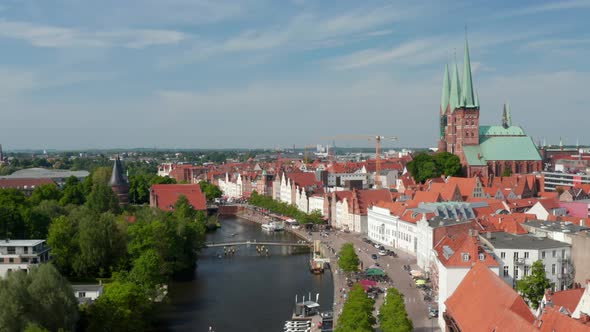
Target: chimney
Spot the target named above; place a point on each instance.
(489, 235)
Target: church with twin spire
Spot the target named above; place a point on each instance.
(484, 151)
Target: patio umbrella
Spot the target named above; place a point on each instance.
(420, 282)
(375, 272)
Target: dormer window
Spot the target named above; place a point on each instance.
(482, 257)
(465, 257)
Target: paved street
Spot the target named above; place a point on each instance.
(393, 266)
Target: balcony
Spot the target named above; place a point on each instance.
(519, 261)
(563, 259)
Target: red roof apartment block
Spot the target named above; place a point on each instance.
(485, 302)
(164, 196)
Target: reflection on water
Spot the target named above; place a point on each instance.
(245, 292)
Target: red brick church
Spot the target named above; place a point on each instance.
(485, 151)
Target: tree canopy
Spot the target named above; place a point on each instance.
(210, 190)
(285, 209)
(533, 286)
(357, 312)
(425, 166)
(42, 298)
(348, 261)
(392, 314)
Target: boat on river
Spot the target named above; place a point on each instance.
(274, 226)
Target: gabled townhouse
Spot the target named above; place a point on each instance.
(483, 302)
(547, 207)
(455, 257)
(469, 187)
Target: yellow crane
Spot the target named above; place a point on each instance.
(378, 140)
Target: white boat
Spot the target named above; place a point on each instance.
(273, 226)
(306, 329)
(298, 324)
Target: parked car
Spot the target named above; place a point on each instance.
(376, 245)
(382, 253)
(381, 248)
(374, 256)
(432, 312)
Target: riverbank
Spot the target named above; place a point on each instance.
(338, 277)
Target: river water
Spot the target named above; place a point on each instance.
(246, 292)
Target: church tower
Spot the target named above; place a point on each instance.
(461, 115)
(118, 182)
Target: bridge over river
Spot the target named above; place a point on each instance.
(248, 243)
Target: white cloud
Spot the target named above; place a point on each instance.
(548, 7)
(59, 37)
(306, 31)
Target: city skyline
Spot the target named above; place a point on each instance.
(255, 74)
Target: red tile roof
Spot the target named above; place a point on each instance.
(568, 299)
(164, 196)
(460, 244)
(553, 321)
(485, 302)
(427, 197)
(24, 183)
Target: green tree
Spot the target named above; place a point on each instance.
(101, 175)
(139, 189)
(12, 224)
(148, 272)
(423, 167)
(73, 192)
(183, 208)
(448, 163)
(63, 240)
(162, 180)
(533, 286)
(210, 190)
(357, 312)
(42, 298)
(102, 199)
(32, 327)
(54, 305)
(348, 261)
(101, 246)
(392, 314)
(122, 307)
(45, 192)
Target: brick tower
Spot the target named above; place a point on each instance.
(119, 183)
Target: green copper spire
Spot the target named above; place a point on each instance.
(476, 99)
(455, 97)
(467, 96)
(506, 117)
(446, 90)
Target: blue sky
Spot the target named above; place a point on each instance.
(261, 73)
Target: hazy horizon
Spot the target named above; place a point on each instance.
(225, 74)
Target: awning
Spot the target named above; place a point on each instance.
(375, 272)
(416, 273)
(367, 283)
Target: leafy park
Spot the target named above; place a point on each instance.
(133, 250)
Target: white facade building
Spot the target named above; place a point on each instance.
(16, 255)
(391, 231)
(517, 253)
(316, 202)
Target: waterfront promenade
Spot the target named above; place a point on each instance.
(393, 266)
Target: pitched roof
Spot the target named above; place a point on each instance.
(166, 195)
(24, 183)
(568, 299)
(553, 321)
(117, 176)
(485, 302)
(367, 198)
(500, 148)
(450, 251)
(427, 196)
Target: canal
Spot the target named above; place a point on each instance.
(245, 292)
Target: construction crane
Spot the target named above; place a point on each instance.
(378, 140)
